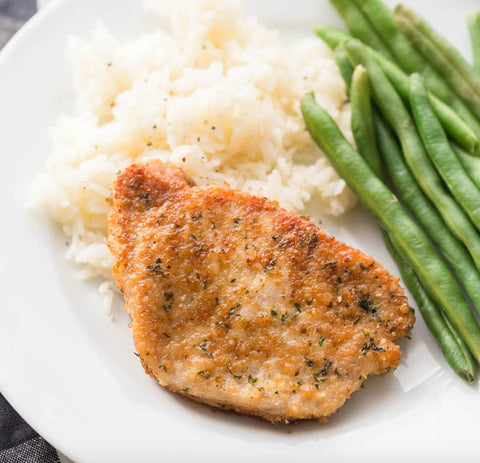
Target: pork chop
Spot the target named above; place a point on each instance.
(240, 304)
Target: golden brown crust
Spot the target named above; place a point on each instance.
(243, 305)
(140, 188)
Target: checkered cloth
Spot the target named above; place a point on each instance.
(19, 443)
(13, 13)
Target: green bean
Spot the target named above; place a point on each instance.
(469, 163)
(383, 20)
(455, 253)
(440, 152)
(467, 356)
(456, 128)
(453, 347)
(384, 206)
(344, 65)
(359, 26)
(334, 38)
(362, 119)
(455, 351)
(474, 30)
(426, 214)
(390, 104)
(464, 112)
(443, 56)
(331, 36)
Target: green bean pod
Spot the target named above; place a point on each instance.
(441, 55)
(344, 66)
(426, 214)
(390, 104)
(474, 31)
(331, 36)
(456, 128)
(462, 110)
(362, 119)
(384, 206)
(359, 26)
(455, 351)
(469, 360)
(383, 20)
(440, 152)
(453, 347)
(469, 163)
(464, 134)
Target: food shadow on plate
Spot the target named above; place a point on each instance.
(380, 400)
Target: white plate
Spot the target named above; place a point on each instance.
(71, 373)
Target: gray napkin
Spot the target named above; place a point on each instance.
(19, 443)
(13, 13)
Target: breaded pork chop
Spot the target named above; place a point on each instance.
(240, 304)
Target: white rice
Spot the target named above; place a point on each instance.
(218, 95)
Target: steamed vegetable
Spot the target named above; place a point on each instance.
(383, 21)
(456, 128)
(362, 119)
(393, 109)
(453, 347)
(331, 36)
(343, 63)
(454, 68)
(410, 59)
(426, 214)
(453, 124)
(441, 153)
(384, 206)
(470, 164)
(359, 26)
